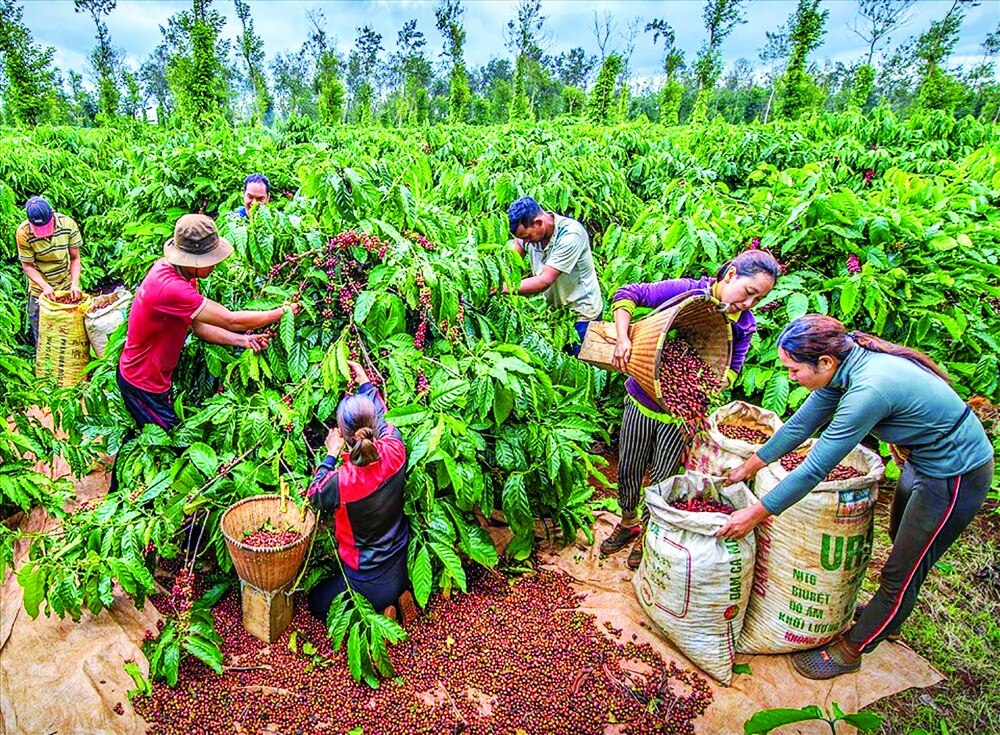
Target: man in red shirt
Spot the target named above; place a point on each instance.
(165, 307)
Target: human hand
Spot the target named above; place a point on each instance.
(256, 342)
(360, 376)
(742, 522)
(75, 293)
(48, 292)
(334, 442)
(623, 353)
(745, 471)
(293, 306)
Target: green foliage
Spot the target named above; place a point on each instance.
(797, 92)
(864, 85)
(196, 70)
(29, 97)
(769, 720)
(601, 104)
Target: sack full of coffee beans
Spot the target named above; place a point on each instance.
(693, 585)
(811, 559)
(733, 433)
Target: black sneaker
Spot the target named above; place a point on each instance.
(621, 537)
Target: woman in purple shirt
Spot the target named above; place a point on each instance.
(650, 438)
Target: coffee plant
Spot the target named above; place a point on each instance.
(394, 244)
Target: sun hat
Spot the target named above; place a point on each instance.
(41, 218)
(196, 243)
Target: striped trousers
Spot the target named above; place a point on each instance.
(645, 443)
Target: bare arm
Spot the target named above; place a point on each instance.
(220, 336)
(35, 276)
(216, 315)
(539, 283)
(623, 345)
(75, 266)
(517, 246)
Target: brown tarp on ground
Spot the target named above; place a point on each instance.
(57, 676)
(609, 595)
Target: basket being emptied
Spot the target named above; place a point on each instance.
(695, 317)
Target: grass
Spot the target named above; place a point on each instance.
(956, 627)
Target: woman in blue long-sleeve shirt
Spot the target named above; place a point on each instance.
(650, 438)
(864, 384)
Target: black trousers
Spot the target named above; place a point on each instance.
(145, 408)
(927, 515)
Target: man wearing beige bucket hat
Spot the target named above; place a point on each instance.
(166, 306)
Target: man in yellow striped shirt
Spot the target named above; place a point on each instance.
(48, 245)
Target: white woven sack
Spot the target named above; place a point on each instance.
(693, 585)
(714, 453)
(103, 318)
(811, 559)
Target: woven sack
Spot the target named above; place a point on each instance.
(693, 585)
(811, 559)
(106, 312)
(63, 348)
(714, 453)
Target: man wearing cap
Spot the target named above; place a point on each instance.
(562, 264)
(166, 306)
(256, 190)
(48, 245)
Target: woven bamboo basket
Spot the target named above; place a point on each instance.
(63, 347)
(695, 317)
(267, 569)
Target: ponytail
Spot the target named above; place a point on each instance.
(811, 336)
(876, 344)
(364, 452)
(356, 419)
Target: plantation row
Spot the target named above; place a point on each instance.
(394, 242)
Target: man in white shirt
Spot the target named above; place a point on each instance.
(562, 264)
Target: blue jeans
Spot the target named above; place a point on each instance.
(581, 330)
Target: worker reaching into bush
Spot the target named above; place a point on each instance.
(48, 246)
(166, 306)
(365, 493)
(650, 438)
(562, 264)
(865, 384)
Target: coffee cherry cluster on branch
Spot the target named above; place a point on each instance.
(701, 505)
(182, 594)
(840, 472)
(687, 383)
(743, 433)
(347, 276)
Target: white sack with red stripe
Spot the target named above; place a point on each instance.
(811, 559)
(693, 585)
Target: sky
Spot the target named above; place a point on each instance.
(134, 27)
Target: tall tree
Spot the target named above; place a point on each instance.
(412, 75)
(329, 87)
(30, 88)
(574, 67)
(720, 16)
(773, 54)
(251, 48)
(937, 89)
(449, 15)
(196, 70)
(877, 19)
(797, 92)
(132, 102)
(362, 70)
(600, 106)
(523, 37)
(153, 77)
(103, 57)
(673, 60)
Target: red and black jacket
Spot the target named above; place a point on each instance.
(367, 501)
